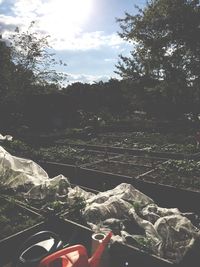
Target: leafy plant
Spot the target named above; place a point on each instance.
(14, 219)
(185, 167)
(144, 243)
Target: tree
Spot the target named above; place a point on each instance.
(6, 67)
(166, 48)
(31, 54)
(27, 67)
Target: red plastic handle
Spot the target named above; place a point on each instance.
(94, 261)
(47, 260)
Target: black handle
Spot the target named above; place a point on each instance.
(31, 243)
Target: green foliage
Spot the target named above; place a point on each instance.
(64, 154)
(184, 167)
(144, 243)
(71, 210)
(74, 211)
(166, 52)
(19, 148)
(31, 54)
(178, 143)
(27, 68)
(13, 219)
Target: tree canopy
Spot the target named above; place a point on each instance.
(27, 67)
(166, 47)
(31, 53)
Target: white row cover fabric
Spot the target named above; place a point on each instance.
(24, 174)
(6, 137)
(167, 233)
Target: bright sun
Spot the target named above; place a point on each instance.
(66, 15)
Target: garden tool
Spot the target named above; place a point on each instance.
(36, 248)
(76, 256)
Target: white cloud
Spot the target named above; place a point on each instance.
(57, 18)
(110, 59)
(85, 78)
(27, 8)
(63, 21)
(87, 40)
(9, 20)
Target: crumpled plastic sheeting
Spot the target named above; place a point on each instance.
(27, 176)
(52, 189)
(6, 137)
(113, 207)
(152, 212)
(177, 235)
(167, 233)
(75, 192)
(125, 192)
(15, 171)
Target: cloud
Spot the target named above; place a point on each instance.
(85, 78)
(27, 8)
(54, 18)
(90, 55)
(87, 41)
(110, 59)
(9, 22)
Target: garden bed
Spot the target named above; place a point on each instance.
(183, 174)
(184, 182)
(69, 232)
(140, 161)
(157, 142)
(69, 155)
(15, 218)
(122, 168)
(132, 172)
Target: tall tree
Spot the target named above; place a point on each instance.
(166, 46)
(32, 56)
(27, 66)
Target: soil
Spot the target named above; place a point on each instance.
(142, 161)
(173, 179)
(120, 168)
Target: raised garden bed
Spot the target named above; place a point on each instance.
(15, 218)
(120, 254)
(120, 168)
(134, 151)
(178, 173)
(152, 142)
(155, 142)
(69, 232)
(73, 233)
(149, 257)
(69, 155)
(165, 195)
(137, 253)
(139, 160)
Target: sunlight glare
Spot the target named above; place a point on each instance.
(65, 16)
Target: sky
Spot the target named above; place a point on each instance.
(83, 33)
